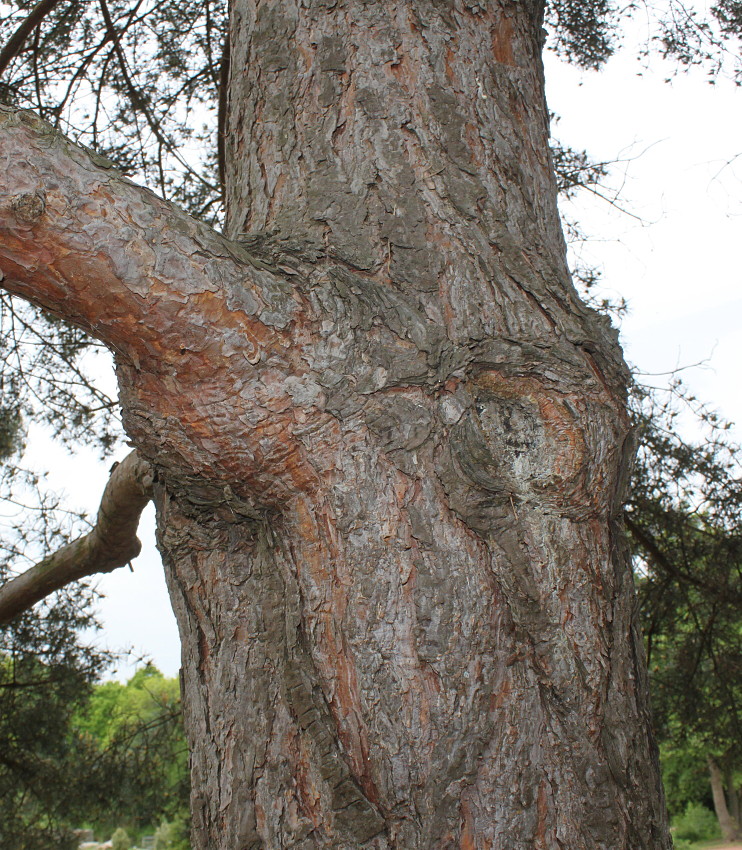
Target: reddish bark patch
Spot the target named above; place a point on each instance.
(498, 699)
(467, 841)
(543, 809)
(502, 41)
(308, 795)
(450, 59)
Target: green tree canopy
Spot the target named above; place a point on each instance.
(684, 521)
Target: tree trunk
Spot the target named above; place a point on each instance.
(733, 793)
(729, 826)
(391, 444)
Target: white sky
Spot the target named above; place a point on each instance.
(678, 265)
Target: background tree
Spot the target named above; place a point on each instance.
(684, 521)
(46, 675)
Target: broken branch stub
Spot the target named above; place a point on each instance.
(111, 544)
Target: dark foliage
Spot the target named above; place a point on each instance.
(712, 42)
(584, 31)
(684, 519)
(137, 81)
(46, 675)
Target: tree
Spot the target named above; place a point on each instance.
(683, 519)
(46, 675)
(141, 773)
(390, 445)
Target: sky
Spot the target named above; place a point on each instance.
(673, 254)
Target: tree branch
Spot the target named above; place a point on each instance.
(139, 101)
(221, 146)
(86, 244)
(654, 553)
(202, 330)
(14, 44)
(111, 544)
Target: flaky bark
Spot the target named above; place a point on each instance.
(111, 544)
(391, 444)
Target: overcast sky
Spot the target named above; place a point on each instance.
(674, 256)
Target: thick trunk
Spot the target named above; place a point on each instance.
(390, 442)
(434, 644)
(729, 827)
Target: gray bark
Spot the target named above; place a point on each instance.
(391, 444)
(733, 794)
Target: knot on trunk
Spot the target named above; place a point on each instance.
(28, 207)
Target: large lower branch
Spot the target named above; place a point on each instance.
(112, 543)
(149, 281)
(202, 330)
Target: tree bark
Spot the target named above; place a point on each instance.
(729, 827)
(390, 443)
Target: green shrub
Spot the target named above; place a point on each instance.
(696, 823)
(681, 844)
(120, 840)
(162, 836)
(173, 835)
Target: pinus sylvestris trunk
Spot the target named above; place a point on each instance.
(390, 443)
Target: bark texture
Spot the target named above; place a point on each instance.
(111, 544)
(390, 442)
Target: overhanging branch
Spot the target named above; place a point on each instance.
(111, 544)
(202, 330)
(15, 43)
(88, 245)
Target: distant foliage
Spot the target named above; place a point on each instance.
(173, 835)
(120, 840)
(683, 518)
(696, 823)
(46, 676)
(73, 752)
(137, 729)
